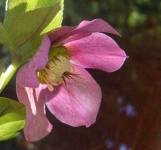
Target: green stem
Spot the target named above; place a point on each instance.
(6, 76)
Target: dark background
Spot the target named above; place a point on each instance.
(130, 112)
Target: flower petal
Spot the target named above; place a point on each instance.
(97, 25)
(96, 51)
(88, 27)
(77, 102)
(37, 125)
(38, 61)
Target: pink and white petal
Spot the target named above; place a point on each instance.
(77, 102)
(37, 125)
(26, 75)
(96, 51)
(88, 27)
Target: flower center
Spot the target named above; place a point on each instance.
(55, 70)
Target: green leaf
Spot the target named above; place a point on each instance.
(30, 4)
(28, 49)
(57, 21)
(16, 7)
(13, 12)
(4, 38)
(11, 4)
(29, 25)
(25, 26)
(9, 136)
(2, 68)
(12, 118)
(46, 3)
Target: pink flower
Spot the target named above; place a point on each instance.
(55, 76)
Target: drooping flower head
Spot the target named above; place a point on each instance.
(55, 76)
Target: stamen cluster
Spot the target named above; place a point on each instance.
(53, 73)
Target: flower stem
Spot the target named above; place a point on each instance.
(6, 76)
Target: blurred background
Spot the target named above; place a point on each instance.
(130, 112)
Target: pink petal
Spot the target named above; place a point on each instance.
(26, 76)
(97, 25)
(88, 27)
(37, 125)
(76, 103)
(96, 51)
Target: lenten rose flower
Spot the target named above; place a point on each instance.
(55, 76)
